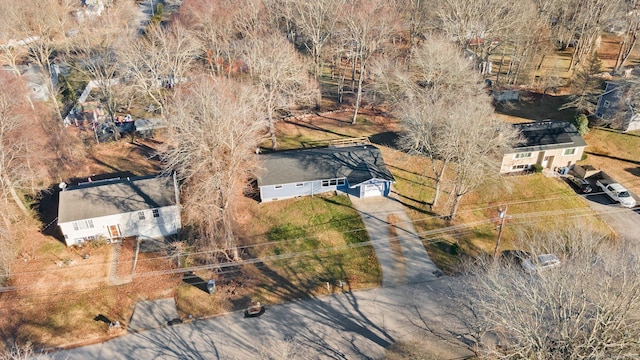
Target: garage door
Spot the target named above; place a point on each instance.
(373, 190)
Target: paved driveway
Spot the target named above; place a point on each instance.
(625, 222)
(359, 325)
(386, 222)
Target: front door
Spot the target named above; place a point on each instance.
(114, 231)
(545, 162)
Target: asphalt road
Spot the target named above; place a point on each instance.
(357, 325)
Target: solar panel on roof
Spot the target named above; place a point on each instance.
(546, 137)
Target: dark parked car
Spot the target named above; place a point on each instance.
(581, 184)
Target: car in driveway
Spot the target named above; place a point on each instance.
(582, 185)
(540, 262)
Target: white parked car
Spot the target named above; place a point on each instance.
(540, 262)
(617, 192)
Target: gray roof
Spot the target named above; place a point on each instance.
(548, 135)
(115, 196)
(355, 163)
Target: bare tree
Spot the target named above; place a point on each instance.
(480, 25)
(316, 21)
(14, 142)
(366, 26)
(585, 86)
(418, 18)
(42, 26)
(276, 68)
(94, 52)
(24, 352)
(215, 126)
(578, 23)
(159, 60)
(219, 25)
(631, 31)
(25, 154)
(584, 309)
(447, 116)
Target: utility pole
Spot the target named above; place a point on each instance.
(502, 214)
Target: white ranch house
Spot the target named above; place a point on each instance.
(147, 207)
(356, 170)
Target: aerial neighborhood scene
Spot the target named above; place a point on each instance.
(319, 179)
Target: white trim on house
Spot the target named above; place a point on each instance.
(523, 155)
(146, 207)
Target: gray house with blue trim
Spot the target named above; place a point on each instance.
(356, 170)
(616, 105)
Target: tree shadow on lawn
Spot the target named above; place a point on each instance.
(315, 127)
(633, 171)
(195, 281)
(537, 107)
(616, 131)
(613, 157)
(389, 139)
(413, 207)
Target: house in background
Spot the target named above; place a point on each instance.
(147, 207)
(615, 105)
(356, 170)
(551, 144)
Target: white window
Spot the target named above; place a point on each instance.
(523, 155)
(569, 151)
(141, 215)
(278, 187)
(606, 103)
(156, 213)
(83, 224)
(299, 184)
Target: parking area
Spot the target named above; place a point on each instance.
(625, 222)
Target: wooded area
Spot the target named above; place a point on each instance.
(225, 73)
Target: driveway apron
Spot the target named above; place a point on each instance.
(409, 263)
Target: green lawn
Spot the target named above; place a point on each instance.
(318, 240)
(532, 201)
(300, 244)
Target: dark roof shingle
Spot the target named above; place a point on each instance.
(96, 199)
(547, 135)
(356, 163)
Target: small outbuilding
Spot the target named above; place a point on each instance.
(356, 170)
(148, 207)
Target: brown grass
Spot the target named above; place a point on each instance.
(394, 242)
(616, 153)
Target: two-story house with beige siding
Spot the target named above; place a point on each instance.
(551, 144)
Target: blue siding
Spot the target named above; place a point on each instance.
(309, 188)
(287, 191)
(613, 95)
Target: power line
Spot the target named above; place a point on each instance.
(425, 235)
(246, 247)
